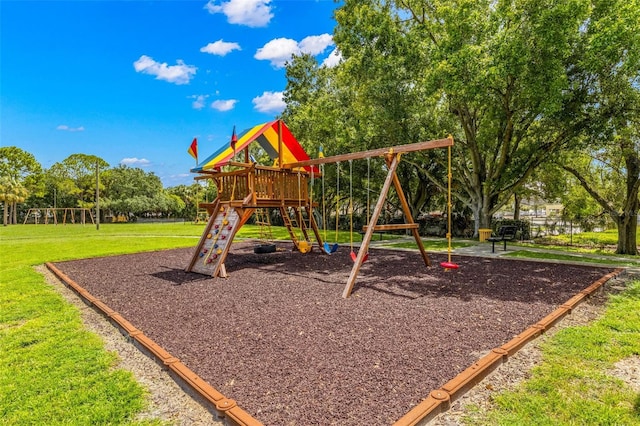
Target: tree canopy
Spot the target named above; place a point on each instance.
(515, 83)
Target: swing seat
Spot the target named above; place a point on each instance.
(304, 247)
(449, 265)
(354, 256)
(330, 249)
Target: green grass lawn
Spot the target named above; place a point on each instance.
(605, 260)
(595, 239)
(52, 371)
(573, 385)
(432, 245)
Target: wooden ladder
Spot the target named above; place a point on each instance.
(289, 224)
(263, 221)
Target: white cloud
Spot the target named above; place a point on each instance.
(314, 45)
(178, 74)
(280, 50)
(252, 13)
(220, 47)
(224, 105)
(70, 129)
(333, 59)
(135, 162)
(199, 101)
(269, 102)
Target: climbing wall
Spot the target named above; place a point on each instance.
(215, 243)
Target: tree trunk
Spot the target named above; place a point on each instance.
(627, 229)
(6, 213)
(476, 219)
(628, 221)
(14, 209)
(481, 216)
(485, 217)
(516, 207)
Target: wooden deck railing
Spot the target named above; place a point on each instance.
(261, 184)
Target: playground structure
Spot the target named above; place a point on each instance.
(47, 215)
(247, 186)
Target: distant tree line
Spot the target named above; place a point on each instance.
(126, 192)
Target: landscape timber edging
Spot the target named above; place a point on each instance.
(440, 400)
(435, 403)
(225, 409)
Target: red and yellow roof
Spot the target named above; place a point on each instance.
(267, 136)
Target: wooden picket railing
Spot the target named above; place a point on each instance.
(261, 184)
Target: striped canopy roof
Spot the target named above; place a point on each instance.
(266, 135)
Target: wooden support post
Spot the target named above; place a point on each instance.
(409, 218)
(280, 143)
(314, 227)
(393, 165)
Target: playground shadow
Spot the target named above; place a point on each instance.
(404, 275)
(178, 276)
(490, 278)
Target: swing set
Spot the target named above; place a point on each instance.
(247, 186)
(350, 208)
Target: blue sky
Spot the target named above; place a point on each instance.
(134, 82)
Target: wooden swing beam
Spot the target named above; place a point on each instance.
(392, 158)
(379, 152)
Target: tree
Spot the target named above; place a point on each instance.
(190, 196)
(608, 164)
(132, 191)
(74, 179)
(11, 193)
(328, 107)
(605, 175)
(496, 74)
(20, 174)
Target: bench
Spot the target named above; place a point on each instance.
(505, 233)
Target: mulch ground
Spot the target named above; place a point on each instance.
(277, 336)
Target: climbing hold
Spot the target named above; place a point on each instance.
(219, 251)
(229, 227)
(209, 235)
(216, 226)
(225, 222)
(222, 237)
